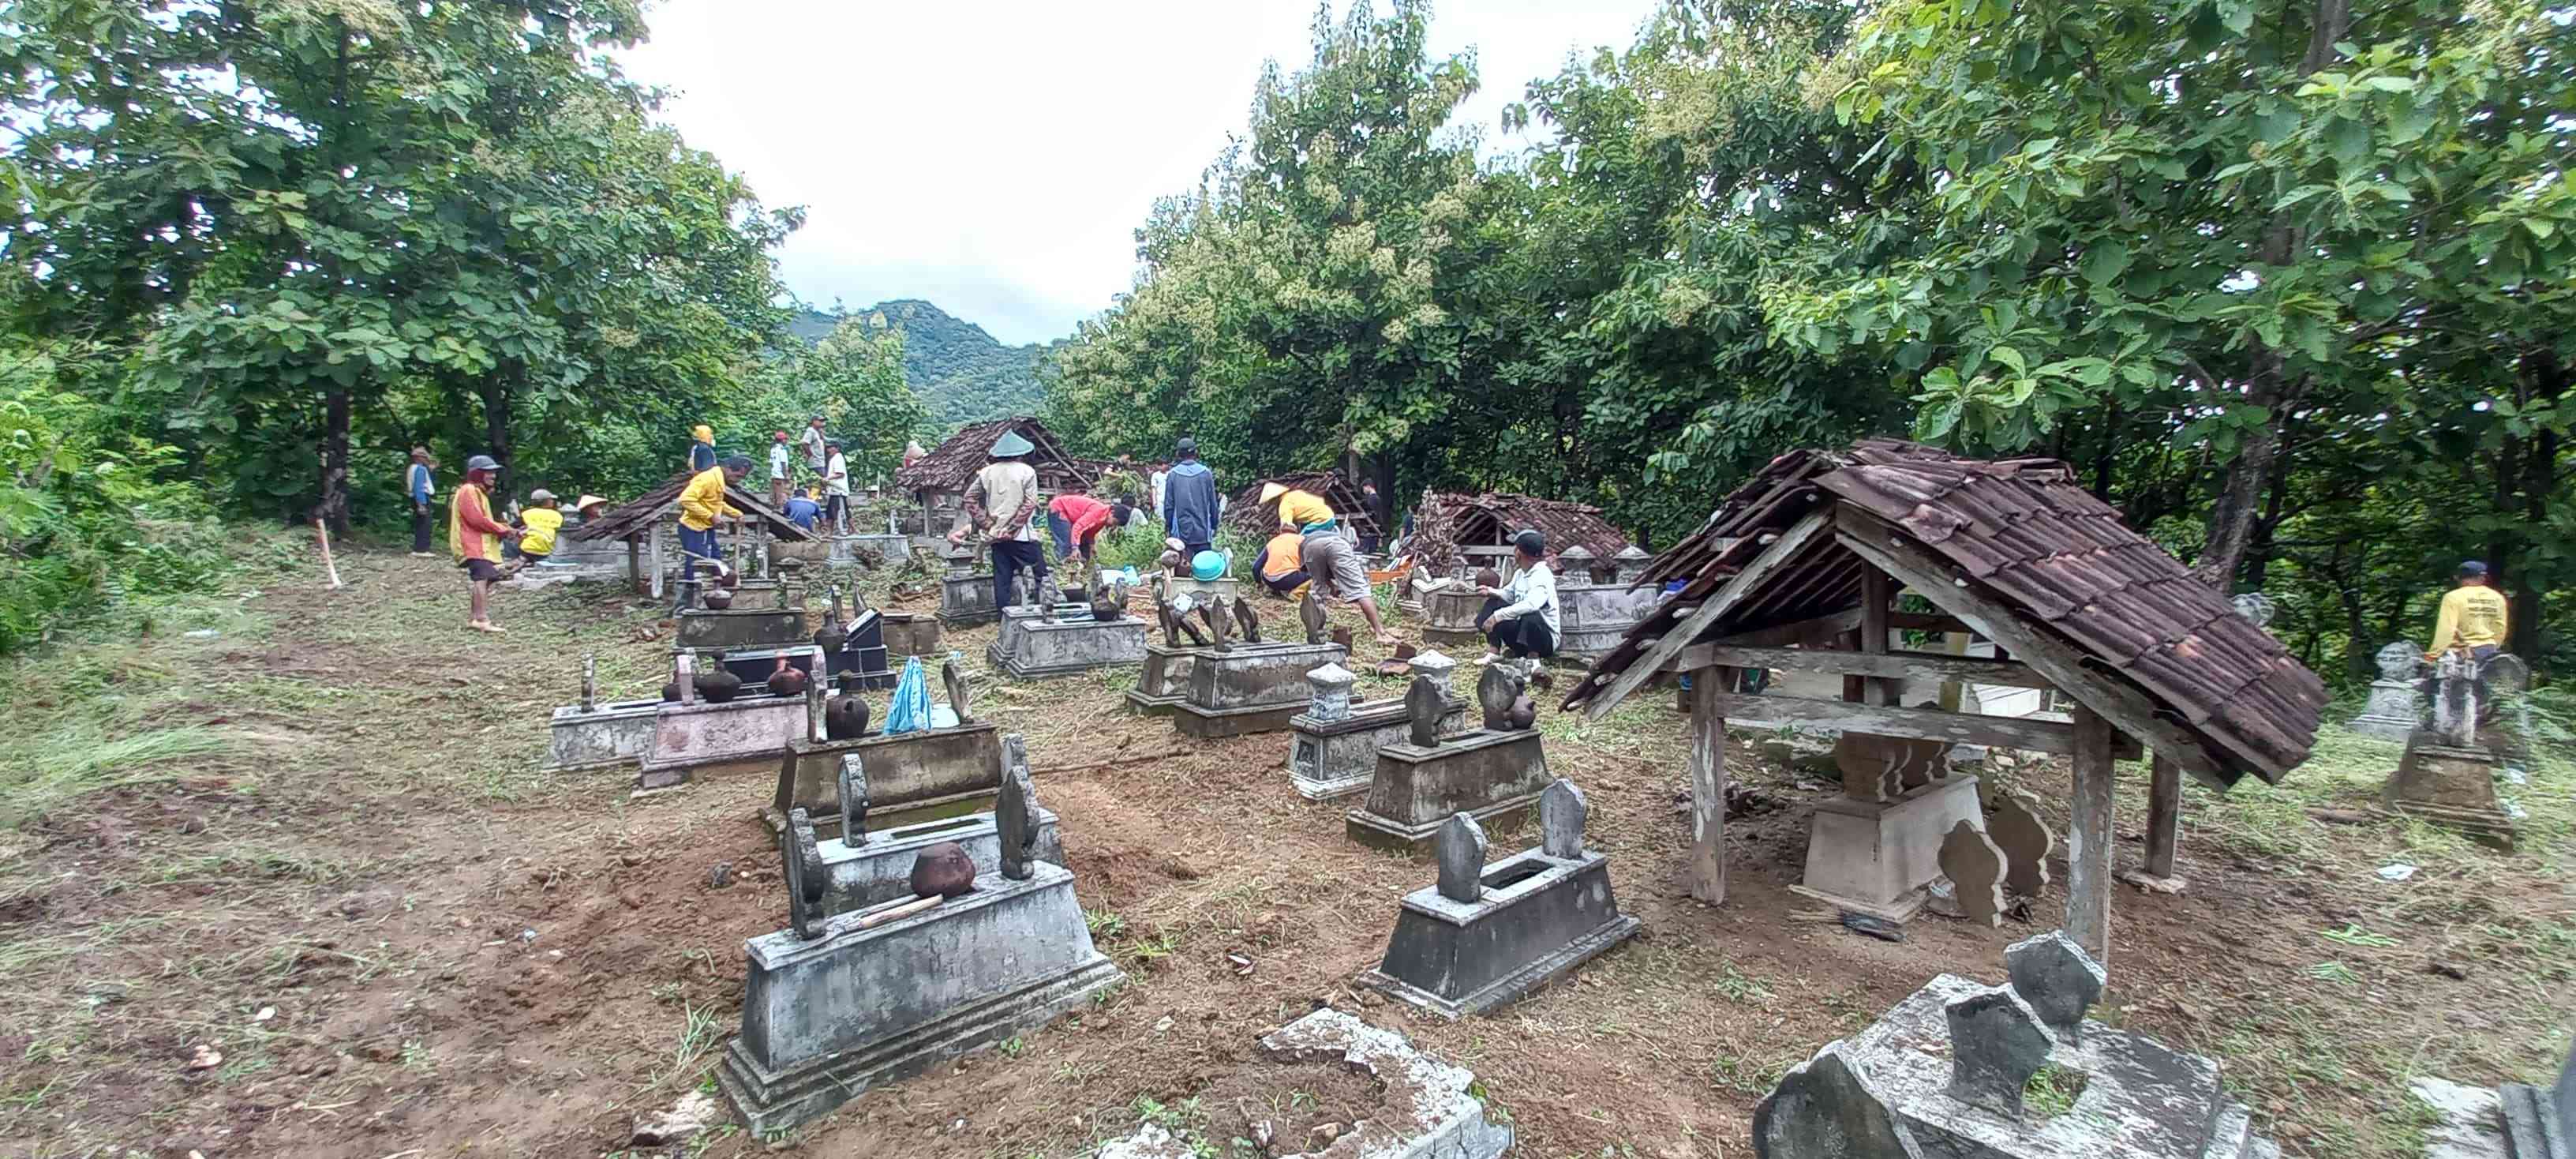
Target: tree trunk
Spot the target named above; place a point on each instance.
(495, 393)
(334, 509)
(2102, 458)
(2274, 495)
(2545, 380)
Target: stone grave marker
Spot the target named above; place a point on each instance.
(2396, 704)
(854, 800)
(954, 677)
(1439, 667)
(1976, 869)
(1495, 692)
(1562, 811)
(2058, 979)
(2026, 843)
(1996, 1044)
(1332, 692)
(1461, 850)
(1247, 620)
(1310, 612)
(1016, 812)
(1423, 704)
(1825, 1108)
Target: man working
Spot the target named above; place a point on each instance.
(1002, 504)
(1076, 521)
(836, 489)
(1278, 566)
(778, 465)
(702, 448)
(542, 519)
(702, 503)
(2474, 617)
(817, 447)
(802, 508)
(1520, 620)
(475, 537)
(1190, 502)
(418, 483)
(1331, 560)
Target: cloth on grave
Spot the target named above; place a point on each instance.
(910, 711)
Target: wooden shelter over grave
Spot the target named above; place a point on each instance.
(1450, 527)
(938, 480)
(640, 522)
(1800, 568)
(1246, 514)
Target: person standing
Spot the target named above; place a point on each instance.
(1331, 560)
(1002, 505)
(702, 449)
(702, 506)
(1076, 521)
(475, 538)
(778, 461)
(420, 485)
(816, 444)
(2474, 617)
(1191, 505)
(1520, 619)
(836, 489)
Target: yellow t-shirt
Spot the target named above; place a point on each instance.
(1302, 508)
(2473, 616)
(703, 500)
(543, 523)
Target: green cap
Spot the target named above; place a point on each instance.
(1011, 446)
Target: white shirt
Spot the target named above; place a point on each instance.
(1158, 483)
(836, 476)
(777, 460)
(1532, 590)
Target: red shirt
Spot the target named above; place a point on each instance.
(1085, 513)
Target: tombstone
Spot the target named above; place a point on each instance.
(1238, 688)
(1333, 745)
(1423, 706)
(1996, 1044)
(2396, 703)
(953, 678)
(597, 735)
(1249, 622)
(1440, 668)
(1487, 934)
(691, 733)
(1496, 774)
(854, 799)
(1824, 1108)
(2058, 979)
(1976, 870)
(1331, 693)
(2026, 843)
(1876, 849)
(1066, 639)
(1016, 812)
(1598, 602)
(2446, 776)
(1310, 613)
(1630, 564)
(1496, 690)
(966, 596)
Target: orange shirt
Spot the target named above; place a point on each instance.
(1283, 554)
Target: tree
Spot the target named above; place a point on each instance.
(854, 378)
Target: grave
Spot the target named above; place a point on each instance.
(1062, 639)
(1432, 1112)
(1248, 685)
(873, 868)
(597, 735)
(1946, 1071)
(1876, 850)
(690, 733)
(2514, 1121)
(1334, 744)
(2447, 776)
(966, 595)
(2396, 704)
(1163, 681)
(876, 550)
(909, 634)
(741, 628)
(1449, 616)
(837, 1004)
(921, 775)
(1493, 773)
(1488, 935)
(1595, 613)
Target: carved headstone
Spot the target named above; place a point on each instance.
(2058, 979)
(1216, 626)
(1976, 868)
(1331, 695)
(2026, 843)
(854, 801)
(2396, 703)
(1245, 619)
(590, 684)
(1575, 565)
(954, 678)
(1423, 706)
(1342, 637)
(1310, 612)
(1015, 811)
(1441, 669)
(1996, 1043)
(1561, 813)
(1495, 692)
(1824, 1108)
(1630, 564)
(2456, 701)
(802, 867)
(1461, 850)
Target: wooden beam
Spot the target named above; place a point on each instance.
(1907, 665)
(1815, 526)
(2164, 816)
(2061, 663)
(2047, 736)
(1708, 784)
(2089, 838)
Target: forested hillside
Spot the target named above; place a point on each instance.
(960, 372)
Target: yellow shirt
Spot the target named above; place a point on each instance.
(543, 523)
(1302, 509)
(703, 500)
(2473, 616)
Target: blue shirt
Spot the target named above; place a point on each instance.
(801, 512)
(420, 482)
(1190, 503)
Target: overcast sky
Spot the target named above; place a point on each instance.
(996, 158)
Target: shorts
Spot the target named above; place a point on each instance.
(481, 571)
(1335, 566)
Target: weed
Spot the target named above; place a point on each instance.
(1104, 923)
(1014, 1046)
(2353, 935)
(416, 1058)
(2051, 1092)
(1737, 987)
(2333, 971)
(81, 757)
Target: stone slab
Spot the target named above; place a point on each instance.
(907, 773)
(1164, 679)
(879, 869)
(1198, 723)
(1881, 855)
(1265, 675)
(2471, 1122)
(2450, 786)
(827, 1019)
(1493, 776)
(1337, 758)
(909, 634)
(966, 600)
(687, 737)
(1538, 917)
(611, 733)
(742, 628)
(1031, 649)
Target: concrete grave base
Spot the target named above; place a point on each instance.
(1032, 648)
(1876, 858)
(909, 634)
(1495, 777)
(1210, 724)
(742, 628)
(1433, 1114)
(1539, 918)
(879, 869)
(693, 736)
(827, 1019)
(1164, 681)
(615, 733)
(1449, 620)
(967, 600)
(1336, 758)
(911, 776)
(2450, 786)
(1249, 688)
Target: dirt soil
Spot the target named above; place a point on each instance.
(404, 939)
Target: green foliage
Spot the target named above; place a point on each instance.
(960, 372)
(854, 378)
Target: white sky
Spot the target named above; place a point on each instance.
(995, 158)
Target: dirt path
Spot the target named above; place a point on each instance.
(466, 956)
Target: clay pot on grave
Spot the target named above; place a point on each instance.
(716, 599)
(788, 680)
(943, 870)
(832, 635)
(846, 717)
(718, 684)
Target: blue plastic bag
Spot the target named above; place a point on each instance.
(910, 711)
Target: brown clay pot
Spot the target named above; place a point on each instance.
(943, 869)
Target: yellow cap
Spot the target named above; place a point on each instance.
(705, 433)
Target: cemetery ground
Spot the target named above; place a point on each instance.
(299, 889)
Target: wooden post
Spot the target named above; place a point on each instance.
(1708, 785)
(656, 560)
(2164, 816)
(1877, 597)
(1954, 693)
(634, 564)
(2089, 837)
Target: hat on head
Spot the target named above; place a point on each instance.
(2471, 567)
(1207, 565)
(1186, 447)
(583, 503)
(737, 462)
(481, 463)
(1011, 446)
(1531, 541)
(541, 495)
(1270, 491)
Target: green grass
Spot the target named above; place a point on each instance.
(80, 757)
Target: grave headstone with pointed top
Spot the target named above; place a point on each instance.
(1423, 705)
(2026, 843)
(1496, 689)
(1016, 810)
(854, 800)
(1461, 851)
(2058, 979)
(1826, 1108)
(953, 676)
(1562, 811)
(1996, 1043)
(1310, 612)
(1976, 869)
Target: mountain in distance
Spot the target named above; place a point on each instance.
(961, 373)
